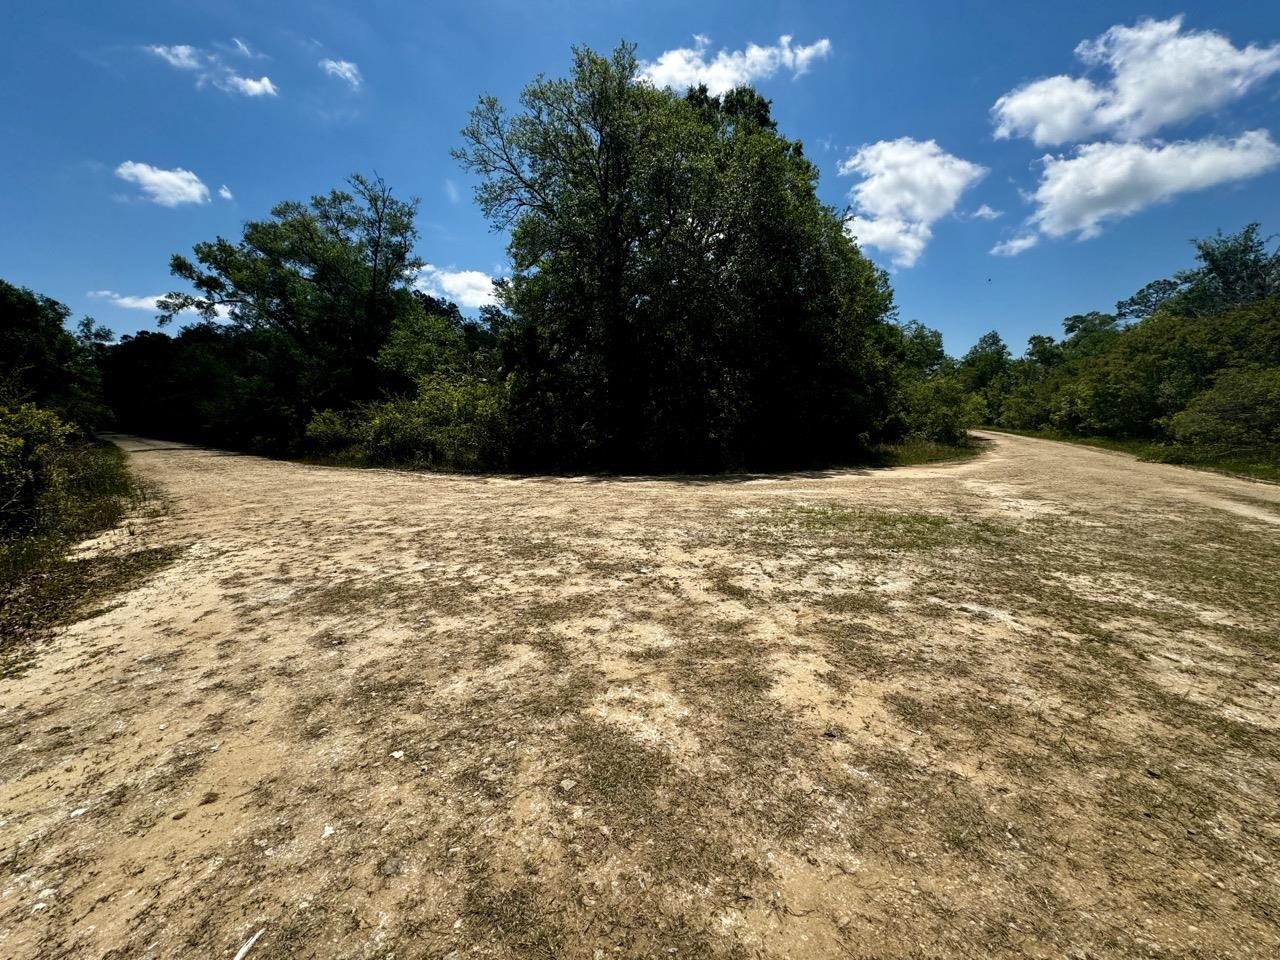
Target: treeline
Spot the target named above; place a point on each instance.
(1186, 370)
(679, 300)
(58, 484)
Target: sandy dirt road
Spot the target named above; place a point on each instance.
(1025, 705)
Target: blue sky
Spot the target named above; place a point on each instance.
(1092, 140)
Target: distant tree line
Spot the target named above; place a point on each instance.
(680, 300)
(1190, 364)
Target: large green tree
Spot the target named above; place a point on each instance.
(680, 298)
(323, 282)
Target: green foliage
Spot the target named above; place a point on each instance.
(680, 297)
(327, 279)
(44, 363)
(1235, 269)
(984, 370)
(680, 300)
(454, 423)
(941, 409)
(33, 476)
(1193, 379)
(84, 488)
(1239, 416)
(432, 337)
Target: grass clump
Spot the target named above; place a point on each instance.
(916, 450)
(874, 530)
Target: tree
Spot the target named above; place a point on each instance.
(328, 278)
(1235, 269)
(41, 361)
(680, 298)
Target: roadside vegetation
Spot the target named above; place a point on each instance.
(1187, 370)
(58, 485)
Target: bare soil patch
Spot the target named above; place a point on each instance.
(1020, 706)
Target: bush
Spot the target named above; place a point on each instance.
(452, 424)
(332, 433)
(941, 409)
(1239, 415)
(33, 476)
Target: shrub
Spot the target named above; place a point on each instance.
(941, 409)
(331, 432)
(1238, 415)
(454, 423)
(33, 475)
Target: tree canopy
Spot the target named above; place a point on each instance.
(680, 298)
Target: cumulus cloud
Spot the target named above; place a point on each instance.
(1107, 181)
(690, 66)
(169, 188)
(1015, 245)
(208, 67)
(906, 186)
(985, 212)
(343, 70)
(468, 288)
(1159, 75)
(225, 192)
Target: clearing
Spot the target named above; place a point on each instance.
(1024, 705)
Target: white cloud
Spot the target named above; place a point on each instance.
(689, 66)
(1107, 181)
(262, 87)
(181, 56)
(343, 70)
(244, 50)
(209, 67)
(985, 212)
(225, 192)
(468, 288)
(452, 192)
(907, 185)
(127, 302)
(151, 304)
(169, 188)
(1159, 75)
(1015, 245)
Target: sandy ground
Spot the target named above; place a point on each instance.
(1020, 706)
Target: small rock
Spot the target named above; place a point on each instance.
(397, 754)
(390, 867)
(80, 812)
(328, 832)
(843, 920)
(566, 785)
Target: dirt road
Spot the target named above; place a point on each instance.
(1020, 706)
